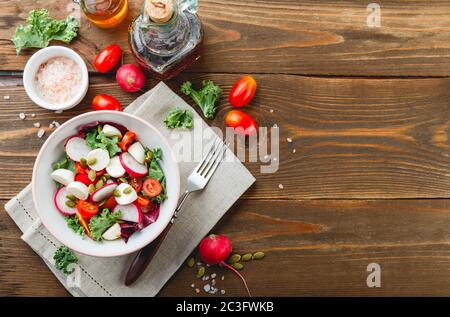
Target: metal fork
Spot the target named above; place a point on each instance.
(197, 180)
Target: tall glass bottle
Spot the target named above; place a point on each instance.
(166, 37)
(105, 14)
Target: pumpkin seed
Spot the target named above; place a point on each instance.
(106, 175)
(91, 188)
(201, 272)
(83, 162)
(104, 179)
(238, 266)
(123, 180)
(99, 184)
(116, 193)
(92, 161)
(191, 262)
(70, 204)
(100, 129)
(71, 197)
(247, 257)
(258, 255)
(235, 258)
(148, 156)
(92, 175)
(127, 190)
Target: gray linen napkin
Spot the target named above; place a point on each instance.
(105, 276)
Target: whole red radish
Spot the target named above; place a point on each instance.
(215, 249)
(130, 78)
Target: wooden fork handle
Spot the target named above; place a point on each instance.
(144, 257)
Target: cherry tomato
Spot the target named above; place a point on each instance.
(242, 91)
(80, 169)
(127, 140)
(105, 102)
(136, 183)
(83, 223)
(242, 122)
(108, 58)
(110, 203)
(84, 178)
(152, 187)
(86, 209)
(100, 173)
(143, 202)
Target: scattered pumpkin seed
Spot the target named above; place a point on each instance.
(91, 188)
(71, 197)
(99, 184)
(247, 257)
(100, 129)
(238, 266)
(235, 258)
(83, 162)
(127, 190)
(92, 161)
(191, 262)
(116, 193)
(106, 175)
(92, 175)
(201, 272)
(258, 255)
(104, 179)
(148, 156)
(123, 180)
(70, 204)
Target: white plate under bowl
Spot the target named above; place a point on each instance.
(44, 188)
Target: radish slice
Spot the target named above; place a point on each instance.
(111, 131)
(76, 148)
(63, 176)
(101, 159)
(112, 233)
(78, 189)
(60, 202)
(115, 168)
(130, 213)
(125, 199)
(104, 192)
(137, 151)
(131, 166)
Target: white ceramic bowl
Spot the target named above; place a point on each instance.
(40, 57)
(44, 188)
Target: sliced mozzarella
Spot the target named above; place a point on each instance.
(129, 212)
(111, 131)
(76, 148)
(137, 151)
(104, 192)
(78, 189)
(125, 199)
(63, 176)
(101, 159)
(112, 233)
(115, 168)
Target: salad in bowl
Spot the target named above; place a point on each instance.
(113, 183)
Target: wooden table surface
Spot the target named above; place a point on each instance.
(367, 109)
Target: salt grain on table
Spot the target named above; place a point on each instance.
(193, 285)
(40, 133)
(207, 288)
(37, 125)
(56, 124)
(33, 115)
(280, 186)
(222, 291)
(213, 275)
(294, 150)
(289, 140)
(6, 97)
(22, 116)
(271, 110)
(58, 111)
(197, 290)
(213, 282)
(222, 278)
(51, 126)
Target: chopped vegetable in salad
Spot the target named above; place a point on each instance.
(109, 185)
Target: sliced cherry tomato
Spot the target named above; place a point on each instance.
(136, 183)
(127, 140)
(241, 122)
(87, 209)
(83, 223)
(242, 91)
(152, 187)
(84, 178)
(100, 173)
(110, 203)
(143, 202)
(105, 102)
(80, 169)
(108, 58)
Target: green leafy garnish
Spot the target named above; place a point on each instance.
(41, 29)
(74, 224)
(98, 140)
(66, 163)
(178, 118)
(157, 173)
(206, 98)
(102, 222)
(63, 258)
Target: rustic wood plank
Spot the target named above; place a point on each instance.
(313, 248)
(325, 37)
(354, 138)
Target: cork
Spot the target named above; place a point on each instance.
(159, 11)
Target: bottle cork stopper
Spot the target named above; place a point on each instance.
(159, 11)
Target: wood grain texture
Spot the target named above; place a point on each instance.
(354, 138)
(325, 37)
(313, 248)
